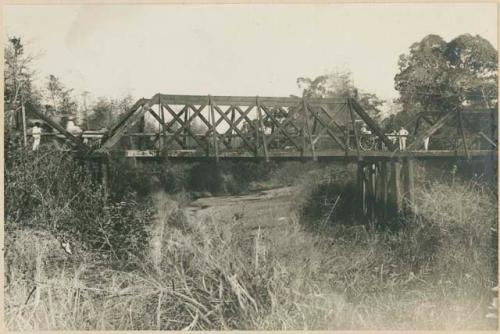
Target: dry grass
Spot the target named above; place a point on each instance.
(203, 273)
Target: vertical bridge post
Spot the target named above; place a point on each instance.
(409, 185)
(214, 131)
(395, 198)
(384, 189)
(361, 185)
(262, 129)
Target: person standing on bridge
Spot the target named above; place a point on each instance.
(364, 130)
(393, 136)
(426, 143)
(403, 134)
(36, 132)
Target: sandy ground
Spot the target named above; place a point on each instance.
(267, 209)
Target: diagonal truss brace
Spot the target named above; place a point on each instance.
(419, 140)
(127, 122)
(76, 141)
(371, 124)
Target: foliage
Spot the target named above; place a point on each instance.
(49, 190)
(106, 112)
(18, 82)
(128, 177)
(340, 85)
(440, 76)
(194, 179)
(60, 97)
(226, 177)
(210, 274)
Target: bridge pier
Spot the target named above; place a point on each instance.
(385, 188)
(409, 186)
(360, 184)
(395, 199)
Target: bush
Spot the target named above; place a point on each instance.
(50, 190)
(174, 177)
(127, 176)
(227, 177)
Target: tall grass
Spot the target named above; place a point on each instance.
(201, 273)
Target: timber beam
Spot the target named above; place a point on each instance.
(419, 140)
(371, 124)
(76, 141)
(127, 123)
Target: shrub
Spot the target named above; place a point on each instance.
(174, 176)
(226, 177)
(51, 190)
(128, 176)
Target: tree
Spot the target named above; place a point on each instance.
(18, 81)
(101, 114)
(339, 84)
(473, 69)
(106, 112)
(440, 76)
(60, 97)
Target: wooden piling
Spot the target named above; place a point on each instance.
(409, 184)
(384, 180)
(372, 195)
(360, 182)
(396, 185)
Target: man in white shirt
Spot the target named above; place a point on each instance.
(36, 132)
(72, 128)
(365, 131)
(403, 133)
(426, 143)
(393, 136)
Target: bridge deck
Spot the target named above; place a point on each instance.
(350, 155)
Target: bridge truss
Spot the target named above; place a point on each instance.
(222, 127)
(192, 127)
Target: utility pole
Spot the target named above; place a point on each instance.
(23, 111)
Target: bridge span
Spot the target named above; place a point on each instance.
(196, 127)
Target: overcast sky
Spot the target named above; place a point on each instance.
(232, 49)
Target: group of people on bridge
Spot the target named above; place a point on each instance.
(37, 131)
(397, 136)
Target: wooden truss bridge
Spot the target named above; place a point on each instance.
(190, 127)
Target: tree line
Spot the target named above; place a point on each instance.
(51, 96)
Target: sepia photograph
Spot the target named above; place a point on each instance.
(328, 166)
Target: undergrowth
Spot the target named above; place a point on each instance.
(163, 269)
